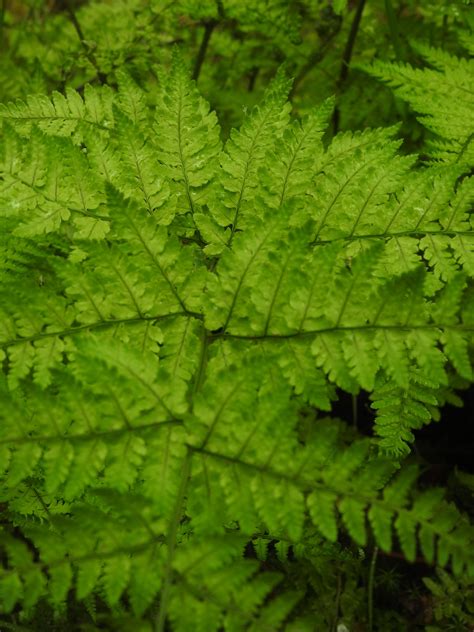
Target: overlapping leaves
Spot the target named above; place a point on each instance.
(193, 304)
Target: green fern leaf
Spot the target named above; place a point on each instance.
(443, 96)
(62, 115)
(321, 504)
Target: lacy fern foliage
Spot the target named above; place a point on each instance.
(442, 95)
(177, 315)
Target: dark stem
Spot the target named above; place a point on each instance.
(75, 22)
(88, 53)
(370, 590)
(346, 59)
(208, 28)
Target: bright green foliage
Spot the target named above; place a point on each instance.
(443, 95)
(171, 311)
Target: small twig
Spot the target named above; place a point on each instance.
(87, 50)
(75, 21)
(208, 28)
(346, 59)
(370, 589)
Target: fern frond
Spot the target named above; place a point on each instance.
(364, 170)
(188, 136)
(442, 95)
(62, 115)
(244, 154)
(403, 409)
(292, 165)
(52, 185)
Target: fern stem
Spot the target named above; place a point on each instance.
(464, 146)
(157, 263)
(41, 501)
(346, 59)
(417, 233)
(135, 549)
(87, 50)
(171, 542)
(370, 589)
(208, 29)
(92, 435)
(181, 155)
(200, 374)
(336, 328)
(100, 324)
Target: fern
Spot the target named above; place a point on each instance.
(62, 114)
(165, 382)
(441, 95)
(453, 600)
